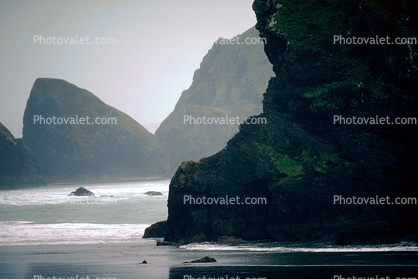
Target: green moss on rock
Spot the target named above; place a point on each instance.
(313, 23)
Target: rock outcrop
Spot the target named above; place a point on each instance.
(77, 137)
(206, 259)
(301, 163)
(229, 83)
(18, 167)
(81, 191)
(153, 193)
(167, 243)
(158, 229)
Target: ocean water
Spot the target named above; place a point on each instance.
(43, 231)
(48, 215)
(119, 213)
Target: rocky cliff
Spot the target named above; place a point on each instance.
(17, 164)
(77, 137)
(301, 161)
(230, 83)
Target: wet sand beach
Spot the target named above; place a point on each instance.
(125, 261)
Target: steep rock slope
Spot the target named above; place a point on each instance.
(119, 148)
(301, 161)
(17, 164)
(230, 82)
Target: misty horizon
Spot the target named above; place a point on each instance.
(142, 69)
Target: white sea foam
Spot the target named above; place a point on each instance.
(48, 215)
(285, 248)
(55, 194)
(28, 233)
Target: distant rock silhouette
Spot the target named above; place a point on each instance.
(153, 193)
(107, 146)
(18, 166)
(229, 83)
(81, 192)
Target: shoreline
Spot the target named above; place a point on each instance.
(124, 260)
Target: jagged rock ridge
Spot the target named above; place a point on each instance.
(87, 152)
(230, 82)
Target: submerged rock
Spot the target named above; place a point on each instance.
(166, 243)
(153, 193)
(81, 192)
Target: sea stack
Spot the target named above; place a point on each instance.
(77, 137)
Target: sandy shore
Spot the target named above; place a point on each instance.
(124, 261)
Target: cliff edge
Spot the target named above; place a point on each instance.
(306, 161)
(18, 167)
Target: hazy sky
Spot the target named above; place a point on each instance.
(159, 45)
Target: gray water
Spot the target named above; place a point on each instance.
(45, 231)
(48, 215)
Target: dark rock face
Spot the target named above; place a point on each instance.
(370, 233)
(153, 193)
(230, 240)
(301, 161)
(158, 229)
(18, 165)
(229, 83)
(81, 191)
(119, 148)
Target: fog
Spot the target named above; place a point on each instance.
(141, 55)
